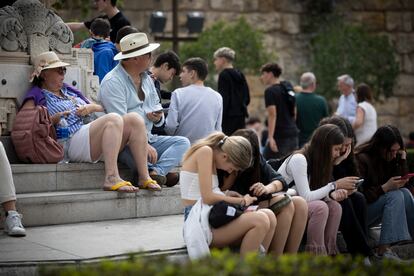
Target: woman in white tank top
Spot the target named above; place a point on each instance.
(198, 179)
(365, 123)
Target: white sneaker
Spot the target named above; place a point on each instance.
(13, 224)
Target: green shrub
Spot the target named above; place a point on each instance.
(344, 49)
(226, 263)
(240, 36)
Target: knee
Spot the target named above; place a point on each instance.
(301, 207)
(133, 120)
(335, 209)
(114, 120)
(395, 197)
(261, 221)
(318, 209)
(183, 141)
(271, 217)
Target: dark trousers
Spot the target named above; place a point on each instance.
(233, 123)
(285, 146)
(354, 224)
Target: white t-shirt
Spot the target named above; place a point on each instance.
(295, 168)
(369, 126)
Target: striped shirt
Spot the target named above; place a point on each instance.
(70, 101)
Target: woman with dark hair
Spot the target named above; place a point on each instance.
(365, 123)
(311, 169)
(354, 208)
(261, 181)
(382, 162)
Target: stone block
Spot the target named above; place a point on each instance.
(382, 5)
(407, 63)
(191, 5)
(405, 124)
(373, 21)
(212, 17)
(229, 5)
(265, 22)
(132, 5)
(387, 120)
(399, 21)
(291, 23)
(407, 4)
(34, 177)
(266, 5)
(406, 106)
(75, 206)
(404, 43)
(404, 85)
(293, 6)
(387, 107)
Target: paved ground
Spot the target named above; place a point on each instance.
(83, 241)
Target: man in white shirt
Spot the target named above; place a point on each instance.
(347, 103)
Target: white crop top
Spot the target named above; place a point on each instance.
(190, 186)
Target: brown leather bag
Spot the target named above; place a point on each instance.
(34, 137)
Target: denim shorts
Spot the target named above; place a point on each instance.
(187, 210)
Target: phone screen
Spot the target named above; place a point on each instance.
(408, 176)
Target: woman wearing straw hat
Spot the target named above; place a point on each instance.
(103, 138)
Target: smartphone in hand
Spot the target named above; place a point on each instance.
(407, 176)
(359, 182)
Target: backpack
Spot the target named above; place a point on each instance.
(289, 94)
(34, 137)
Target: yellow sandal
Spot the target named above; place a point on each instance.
(150, 184)
(119, 185)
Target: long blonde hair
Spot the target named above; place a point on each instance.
(237, 148)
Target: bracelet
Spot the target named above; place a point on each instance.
(330, 194)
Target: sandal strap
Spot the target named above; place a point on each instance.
(120, 184)
(148, 182)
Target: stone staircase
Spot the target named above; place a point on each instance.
(50, 194)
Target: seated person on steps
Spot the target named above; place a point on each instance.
(103, 138)
(129, 89)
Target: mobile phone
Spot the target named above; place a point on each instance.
(407, 176)
(359, 182)
(161, 110)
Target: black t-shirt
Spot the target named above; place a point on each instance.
(244, 182)
(117, 22)
(285, 123)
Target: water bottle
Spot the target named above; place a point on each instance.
(62, 135)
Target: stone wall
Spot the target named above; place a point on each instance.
(283, 22)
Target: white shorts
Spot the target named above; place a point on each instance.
(79, 146)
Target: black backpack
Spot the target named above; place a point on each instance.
(289, 95)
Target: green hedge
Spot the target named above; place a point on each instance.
(226, 263)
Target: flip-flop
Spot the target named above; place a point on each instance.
(150, 184)
(119, 185)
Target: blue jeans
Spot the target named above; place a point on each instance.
(395, 211)
(187, 210)
(170, 150)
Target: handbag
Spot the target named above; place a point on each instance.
(223, 212)
(34, 137)
(278, 206)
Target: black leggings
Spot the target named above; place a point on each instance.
(354, 224)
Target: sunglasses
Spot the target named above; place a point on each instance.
(60, 70)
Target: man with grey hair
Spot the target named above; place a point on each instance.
(347, 102)
(232, 86)
(311, 108)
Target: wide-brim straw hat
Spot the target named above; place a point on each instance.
(46, 60)
(134, 45)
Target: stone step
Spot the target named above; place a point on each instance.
(34, 178)
(61, 207)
